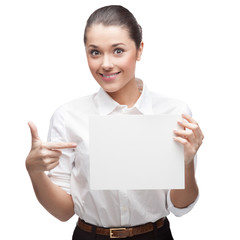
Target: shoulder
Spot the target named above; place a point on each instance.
(164, 104)
(83, 105)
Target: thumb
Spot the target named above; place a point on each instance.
(34, 132)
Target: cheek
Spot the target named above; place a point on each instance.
(128, 65)
(92, 64)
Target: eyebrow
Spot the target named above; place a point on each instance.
(114, 45)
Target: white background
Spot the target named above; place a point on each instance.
(192, 52)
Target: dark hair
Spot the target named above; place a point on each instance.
(116, 15)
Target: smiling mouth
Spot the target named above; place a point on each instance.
(109, 75)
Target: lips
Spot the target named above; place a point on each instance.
(109, 76)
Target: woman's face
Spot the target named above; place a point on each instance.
(112, 56)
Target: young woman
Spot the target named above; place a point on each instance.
(113, 42)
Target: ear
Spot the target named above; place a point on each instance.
(139, 51)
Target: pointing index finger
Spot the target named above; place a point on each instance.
(59, 145)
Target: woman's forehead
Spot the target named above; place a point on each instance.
(100, 34)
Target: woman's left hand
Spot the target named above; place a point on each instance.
(191, 137)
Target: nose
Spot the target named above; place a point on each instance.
(107, 62)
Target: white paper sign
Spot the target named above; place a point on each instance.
(135, 152)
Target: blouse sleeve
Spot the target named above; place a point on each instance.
(61, 175)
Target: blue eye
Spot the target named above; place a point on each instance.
(118, 51)
(94, 52)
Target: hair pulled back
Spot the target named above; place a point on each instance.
(116, 15)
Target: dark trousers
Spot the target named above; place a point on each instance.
(163, 233)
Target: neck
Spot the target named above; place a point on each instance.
(128, 95)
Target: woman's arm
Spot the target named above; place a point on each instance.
(191, 141)
(55, 200)
(44, 157)
(182, 198)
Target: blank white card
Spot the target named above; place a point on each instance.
(135, 152)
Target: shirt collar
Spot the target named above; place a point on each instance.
(105, 104)
(144, 102)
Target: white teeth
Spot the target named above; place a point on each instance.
(108, 76)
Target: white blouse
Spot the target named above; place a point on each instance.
(107, 208)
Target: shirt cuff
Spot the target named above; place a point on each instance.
(178, 212)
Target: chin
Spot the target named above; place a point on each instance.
(110, 87)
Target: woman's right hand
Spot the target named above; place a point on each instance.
(44, 156)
